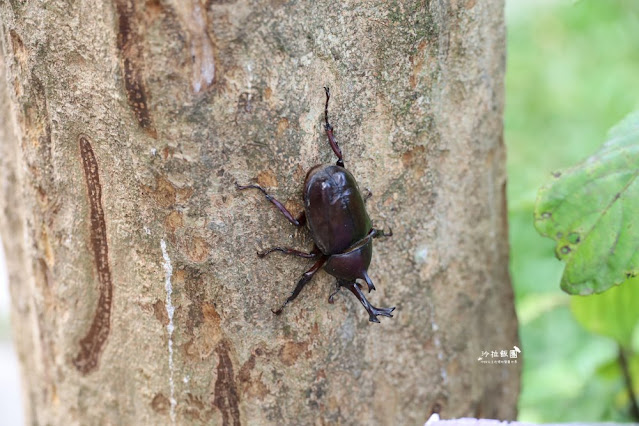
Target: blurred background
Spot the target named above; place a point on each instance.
(572, 73)
(10, 397)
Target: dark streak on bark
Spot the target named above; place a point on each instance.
(226, 398)
(130, 47)
(92, 345)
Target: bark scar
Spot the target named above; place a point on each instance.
(92, 345)
(227, 397)
(130, 47)
(192, 14)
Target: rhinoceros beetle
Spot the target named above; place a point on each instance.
(335, 213)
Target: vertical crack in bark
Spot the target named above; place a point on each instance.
(227, 397)
(92, 345)
(192, 14)
(130, 47)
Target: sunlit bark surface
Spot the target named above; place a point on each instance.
(136, 291)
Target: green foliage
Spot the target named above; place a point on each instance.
(571, 75)
(590, 210)
(565, 365)
(613, 313)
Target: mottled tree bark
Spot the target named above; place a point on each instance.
(137, 295)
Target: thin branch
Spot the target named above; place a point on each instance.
(623, 362)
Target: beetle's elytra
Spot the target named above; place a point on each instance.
(335, 213)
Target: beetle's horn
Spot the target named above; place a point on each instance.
(369, 283)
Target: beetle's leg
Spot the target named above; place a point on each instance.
(369, 282)
(331, 297)
(368, 195)
(373, 312)
(312, 255)
(306, 277)
(329, 131)
(380, 233)
(299, 221)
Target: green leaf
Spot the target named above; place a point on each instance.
(591, 211)
(614, 313)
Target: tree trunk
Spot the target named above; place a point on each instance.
(137, 295)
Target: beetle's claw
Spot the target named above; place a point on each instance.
(262, 254)
(385, 312)
(381, 233)
(373, 312)
(279, 311)
(239, 187)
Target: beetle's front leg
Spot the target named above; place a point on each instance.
(329, 132)
(299, 221)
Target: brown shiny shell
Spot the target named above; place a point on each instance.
(335, 210)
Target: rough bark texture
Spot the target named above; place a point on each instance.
(137, 296)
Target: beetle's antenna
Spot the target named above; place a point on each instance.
(329, 131)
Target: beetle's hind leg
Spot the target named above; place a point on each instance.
(299, 221)
(306, 277)
(373, 312)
